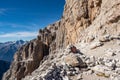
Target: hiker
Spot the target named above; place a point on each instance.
(73, 49)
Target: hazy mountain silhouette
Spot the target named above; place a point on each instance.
(8, 49)
(4, 66)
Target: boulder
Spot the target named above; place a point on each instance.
(118, 64)
(117, 70)
(101, 70)
(73, 60)
(104, 38)
(90, 61)
(111, 64)
(110, 52)
(117, 78)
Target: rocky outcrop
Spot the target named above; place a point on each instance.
(76, 66)
(28, 58)
(87, 20)
(93, 25)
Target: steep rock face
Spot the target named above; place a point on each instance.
(84, 21)
(28, 58)
(88, 19)
(75, 19)
(106, 24)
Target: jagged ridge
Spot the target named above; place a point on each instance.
(92, 22)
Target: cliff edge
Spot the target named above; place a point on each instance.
(93, 26)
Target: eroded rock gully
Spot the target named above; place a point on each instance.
(92, 25)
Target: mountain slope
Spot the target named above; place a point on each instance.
(93, 27)
(8, 49)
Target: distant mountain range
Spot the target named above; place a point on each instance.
(8, 49)
(4, 66)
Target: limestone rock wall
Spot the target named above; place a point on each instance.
(106, 24)
(83, 21)
(28, 58)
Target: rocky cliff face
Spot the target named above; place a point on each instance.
(93, 24)
(28, 58)
(98, 15)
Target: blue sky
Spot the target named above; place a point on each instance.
(21, 19)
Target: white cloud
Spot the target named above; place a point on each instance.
(29, 27)
(19, 35)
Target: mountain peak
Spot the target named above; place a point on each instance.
(20, 42)
(8, 49)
